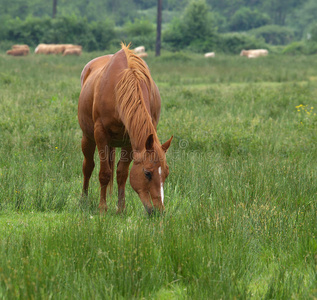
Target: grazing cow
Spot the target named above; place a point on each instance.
(210, 54)
(49, 49)
(76, 50)
(18, 52)
(139, 49)
(142, 55)
(26, 47)
(254, 53)
(52, 48)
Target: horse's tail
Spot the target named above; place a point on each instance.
(111, 161)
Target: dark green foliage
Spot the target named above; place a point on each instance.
(68, 30)
(173, 35)
(295, 48)
(274, 34)
(190, 25)
(139, 32)
(145, 4)
(71, 29)
(195, 30)
(30, 31)
(304, 17)
(24, 8)
(221, 22)
(245, 19)
(301, 48)
(139, 27)
(241, 14)
(103, 33)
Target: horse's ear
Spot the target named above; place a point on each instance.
(167, 144)
(149, 142)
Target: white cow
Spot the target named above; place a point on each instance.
(210, 54)
(53, 48)
(142, 55)
(139, 49)
(253, 53)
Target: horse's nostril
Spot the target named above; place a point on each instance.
(149, 210)
(155, 210)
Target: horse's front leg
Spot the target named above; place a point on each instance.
(105, 173)
(122, 175)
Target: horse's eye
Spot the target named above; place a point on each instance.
(148, 175)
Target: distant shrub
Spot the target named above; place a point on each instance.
(102, 33)
(139, 27)
(195, 30)
(235, 42)
(34, 30)
(67, 30)
(278, 49)
(140, 32)
(302, 47)
(295, 48)
(274, 34)
(173, 36)
(311, 47)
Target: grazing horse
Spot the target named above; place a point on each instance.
(119, 106)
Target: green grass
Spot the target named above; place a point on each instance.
(241, 210)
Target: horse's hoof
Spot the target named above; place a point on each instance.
(120, 211)
(103, 209)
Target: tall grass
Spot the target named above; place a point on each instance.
(240, 217)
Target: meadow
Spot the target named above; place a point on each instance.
(241, 210)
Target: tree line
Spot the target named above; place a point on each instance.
(199, 25)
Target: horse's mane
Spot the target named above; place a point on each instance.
(130, 101)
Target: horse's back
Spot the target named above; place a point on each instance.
(89, 77)
(98, 79)
(105, 85)
(95, 64)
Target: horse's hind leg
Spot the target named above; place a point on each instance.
(122, 175)
(105, 173)
(88, 147)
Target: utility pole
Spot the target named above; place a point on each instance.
(158, 28)
(54, 8)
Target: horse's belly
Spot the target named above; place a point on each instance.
(120, 143)
(118, 137)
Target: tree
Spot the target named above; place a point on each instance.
(197, 23)
(280, 9)
(246, 19)
(195, 30)
(158, 28)
(54, 8)
(303, 18)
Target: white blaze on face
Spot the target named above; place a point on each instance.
(162, 190)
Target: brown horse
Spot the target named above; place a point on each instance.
(119, 106)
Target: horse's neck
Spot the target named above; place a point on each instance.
(141, 125)
(138, 141)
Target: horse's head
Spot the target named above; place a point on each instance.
(149, 172)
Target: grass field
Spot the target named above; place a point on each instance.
(241, 198)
